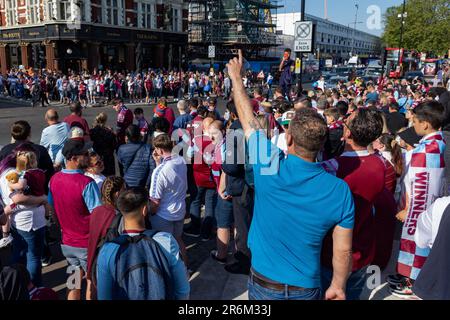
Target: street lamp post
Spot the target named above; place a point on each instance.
(403, 16)
(354, 27)
(210, 17)
(300, 55)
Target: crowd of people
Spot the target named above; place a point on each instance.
(90, 88)
(311, 188)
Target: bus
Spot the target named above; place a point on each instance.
(394, 61)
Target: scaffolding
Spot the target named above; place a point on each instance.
(232, 24)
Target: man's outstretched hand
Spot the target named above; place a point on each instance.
(235, 67)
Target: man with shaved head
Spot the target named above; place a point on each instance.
(54, 136)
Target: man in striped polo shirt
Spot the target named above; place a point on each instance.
(168, 191)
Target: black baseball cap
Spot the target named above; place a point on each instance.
(410, 136)
(75, 147)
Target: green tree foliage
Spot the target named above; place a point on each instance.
(426, 28)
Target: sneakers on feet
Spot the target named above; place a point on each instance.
(6, 241)
(214, 256)
(396, 279)
(46, 262)
(206, 237)
(192, 231)
(237, 268)
(402, 290)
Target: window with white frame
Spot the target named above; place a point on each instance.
(113, 9)
(34, 11)
(64, 10)
(176, 20)
(48, 10)
(11, 10)
(147, 14)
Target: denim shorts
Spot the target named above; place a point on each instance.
(175, 228)
(224, 213)
(76, 257)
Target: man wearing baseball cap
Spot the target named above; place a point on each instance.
(280, 139)
(74, 196)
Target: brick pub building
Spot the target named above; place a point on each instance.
(88, 34)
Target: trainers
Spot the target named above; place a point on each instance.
(396, 279)
(46, 262)
(6, 241)
(206, 237)
(238, 268)
(192, 231)
(214, 256)
(402, 290)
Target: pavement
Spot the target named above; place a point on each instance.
(212, 282)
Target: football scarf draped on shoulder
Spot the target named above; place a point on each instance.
(424, 183)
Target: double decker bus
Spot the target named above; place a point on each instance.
(394, 62)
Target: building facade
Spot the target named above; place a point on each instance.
(88, 34)
(332, 40)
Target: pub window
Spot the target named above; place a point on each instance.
(176, 20)
(147, 12)
(11, 10)
(49, 10)
(64, 10)
(113, 11)
(34, 11)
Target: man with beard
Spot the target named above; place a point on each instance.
(74, 196)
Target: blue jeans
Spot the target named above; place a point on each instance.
(207, 196)
(355, 283)
(257, 292)
(191, 92)
(27, 248)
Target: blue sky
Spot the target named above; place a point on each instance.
(341, 11)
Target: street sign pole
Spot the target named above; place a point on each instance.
(300, 54)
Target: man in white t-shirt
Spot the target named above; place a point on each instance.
(168, 191)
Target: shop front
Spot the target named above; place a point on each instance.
(57, 47)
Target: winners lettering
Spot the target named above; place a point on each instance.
(419, 200)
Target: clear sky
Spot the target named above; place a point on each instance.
(343, 11)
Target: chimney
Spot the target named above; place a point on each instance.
(325, 9)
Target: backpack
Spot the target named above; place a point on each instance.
(111, 234)
(142, 269)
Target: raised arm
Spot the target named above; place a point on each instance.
(240, 97)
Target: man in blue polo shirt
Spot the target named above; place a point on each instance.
(296, 204)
